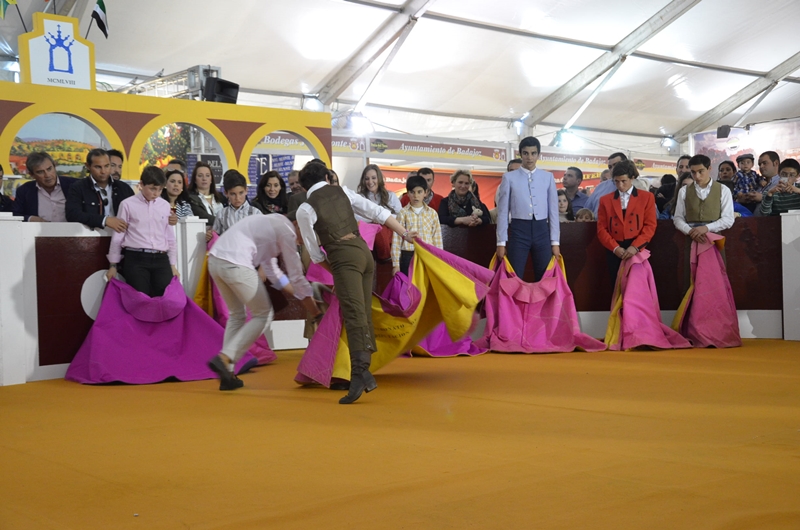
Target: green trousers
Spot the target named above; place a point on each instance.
(353, 268)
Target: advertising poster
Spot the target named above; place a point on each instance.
(170, 142)
(283, 164)
(68, 140)
(258, 165)
(215, 161)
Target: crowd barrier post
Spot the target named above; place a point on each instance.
(191, 243)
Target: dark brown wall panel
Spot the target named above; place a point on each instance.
(62, 265)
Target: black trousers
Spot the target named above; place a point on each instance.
(147, 273)
(406, 257)
(614, 262)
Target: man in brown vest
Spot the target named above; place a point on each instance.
(707, 316)
(329, 214)
(705, 206)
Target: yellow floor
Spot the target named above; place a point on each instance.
(697, 439)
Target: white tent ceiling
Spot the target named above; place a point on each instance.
(466, 64)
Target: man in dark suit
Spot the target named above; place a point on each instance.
(94, 200)
(626, 219)
(44, 199)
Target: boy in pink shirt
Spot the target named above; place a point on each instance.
(148, 245)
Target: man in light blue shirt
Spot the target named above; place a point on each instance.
(528, 196)
(605, 187)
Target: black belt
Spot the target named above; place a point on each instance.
(145, 250)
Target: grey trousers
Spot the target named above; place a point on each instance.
(241, 288)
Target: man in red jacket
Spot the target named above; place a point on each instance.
(626, 219)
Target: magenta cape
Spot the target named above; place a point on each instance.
(635, 313)
(707, 315)
(537, 317)
(139, 340)
(260, 349)
(439, 344)
(445, 288)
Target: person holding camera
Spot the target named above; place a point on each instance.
(785, 196)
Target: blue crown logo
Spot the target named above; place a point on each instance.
(60, 53)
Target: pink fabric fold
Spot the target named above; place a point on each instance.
(439, 344)
(536, 317)
(710, 317)
(639, 317)
(149, 345)
(318, 366)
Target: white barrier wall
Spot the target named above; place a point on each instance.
(19, 326)
(790, 257)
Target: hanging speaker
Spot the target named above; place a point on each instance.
(220, 90)
(723, 131)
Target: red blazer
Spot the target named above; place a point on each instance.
(638, 224)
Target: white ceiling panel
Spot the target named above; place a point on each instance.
(735, 33)
(653, 98)
(447, 68)
(282, 45)
(606, 22)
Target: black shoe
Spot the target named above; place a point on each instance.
(369, 381)
(357, 387)
(340, 385)
(234, 383)
(360, 378)
(218, 366)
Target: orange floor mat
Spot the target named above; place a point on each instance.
(689, 439)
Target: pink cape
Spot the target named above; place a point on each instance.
(260, 349)
(707, 315)
(537, 317)
(140, 340)
(439, 344)
(401, 299)
(635, 313)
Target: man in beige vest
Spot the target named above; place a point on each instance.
(705, 206)
(329, 214)
(707, 316)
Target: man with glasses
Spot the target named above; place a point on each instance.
(785, 195)
(44, 199)
(95, 199)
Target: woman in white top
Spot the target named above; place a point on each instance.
(373, 187)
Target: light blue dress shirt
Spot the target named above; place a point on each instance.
(604, 188)
(527, 195)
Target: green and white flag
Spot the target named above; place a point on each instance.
(99, 16)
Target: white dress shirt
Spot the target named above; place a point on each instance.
(307, 217)
(726, 202)
(624, 197)
(256, 241)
